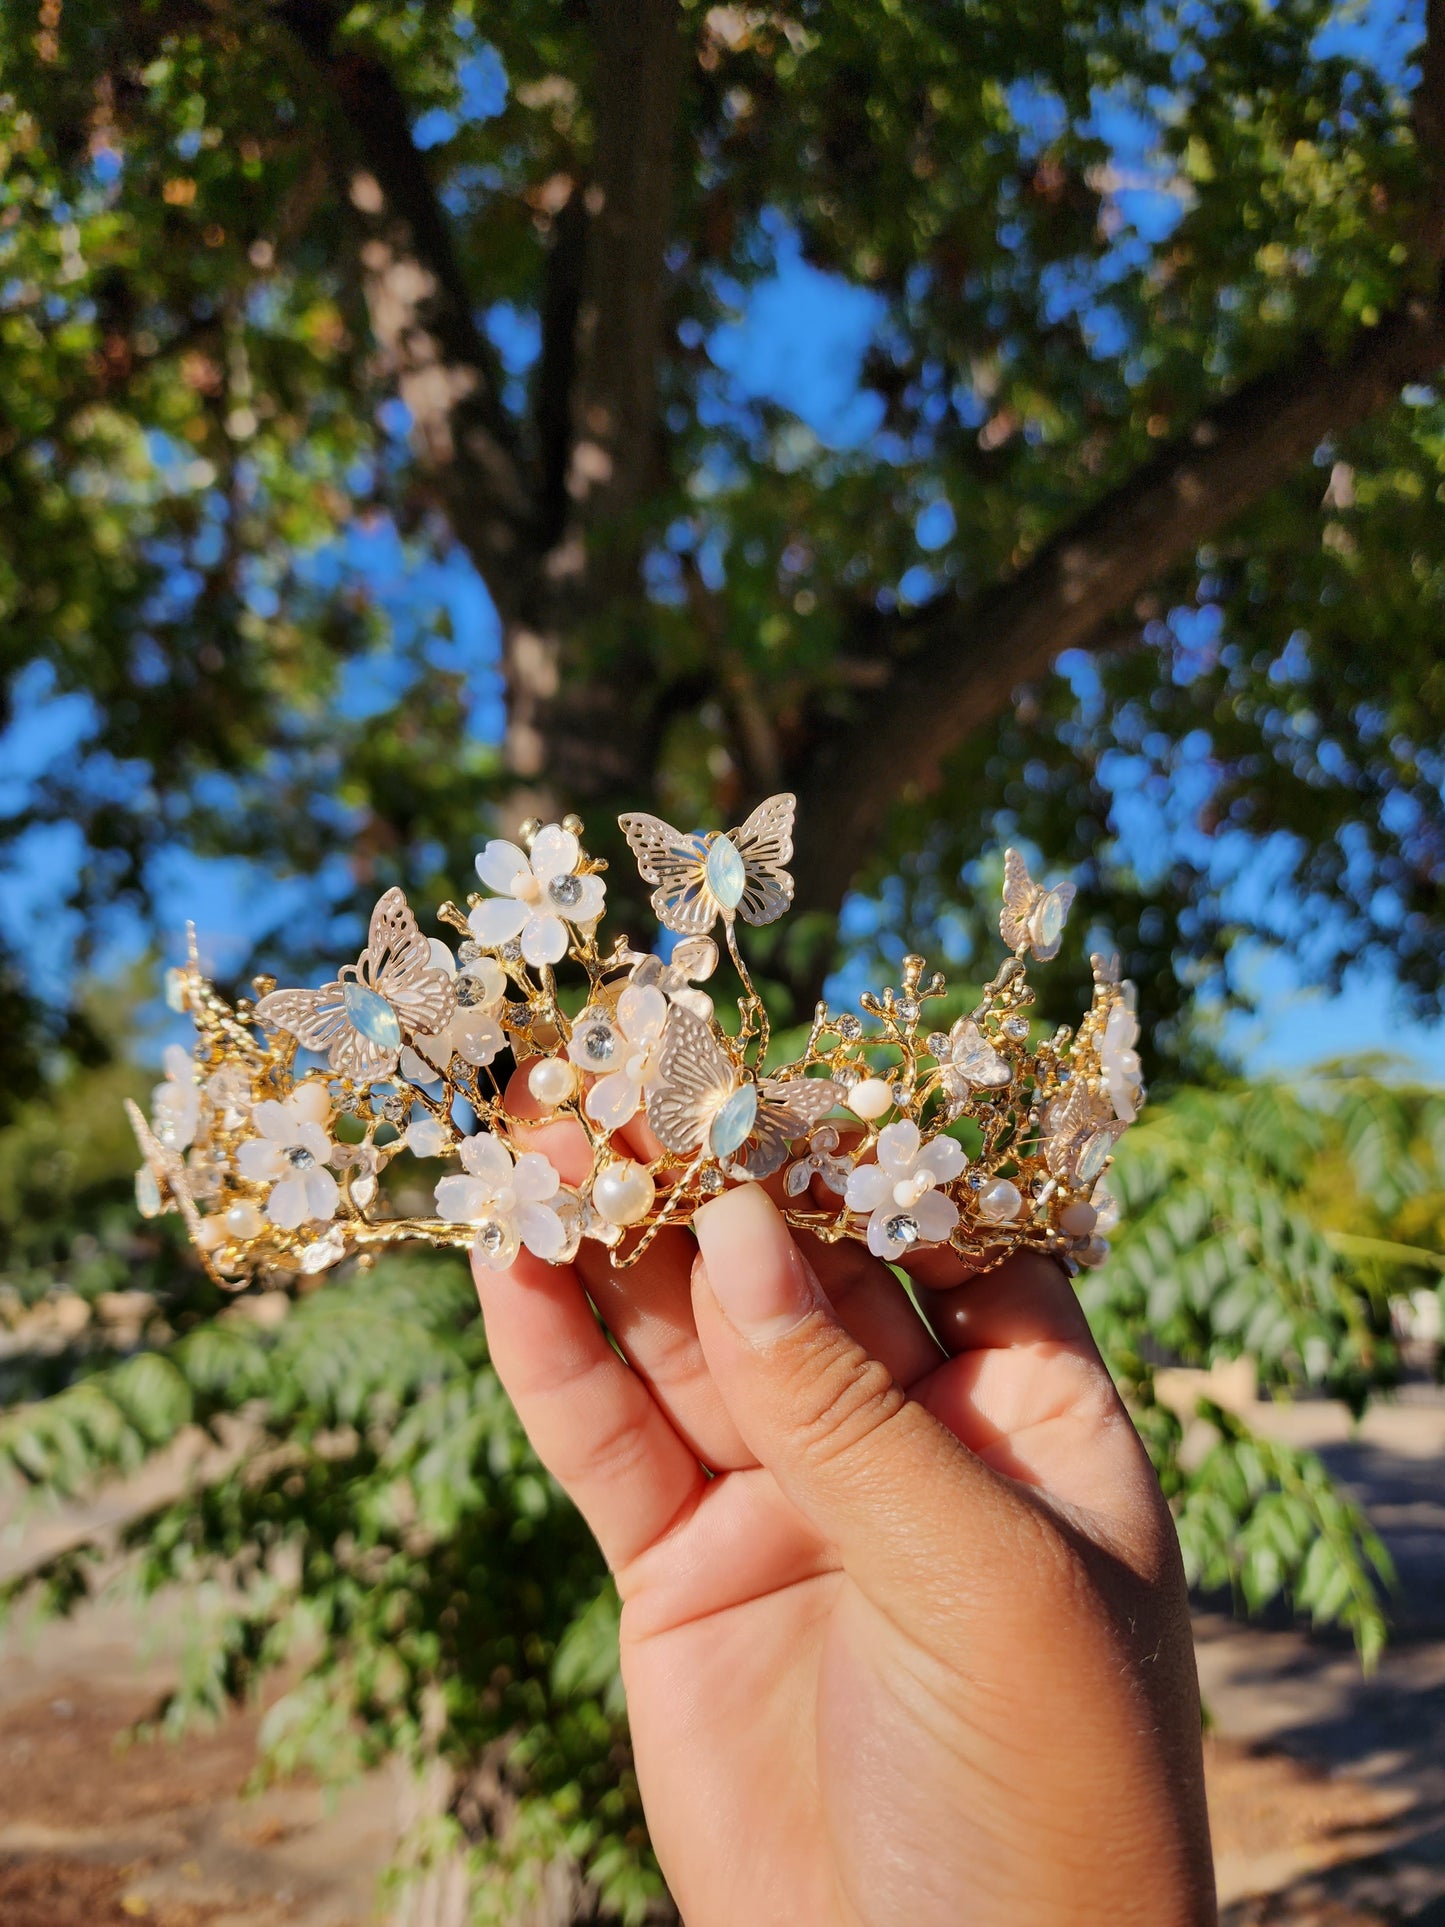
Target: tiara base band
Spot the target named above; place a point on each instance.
(275, 1136)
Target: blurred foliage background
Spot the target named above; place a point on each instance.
(992, 422)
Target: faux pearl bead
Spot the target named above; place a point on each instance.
(999, 1201)
(1078, 1219)
(870, 1099)
(243, 1220)
(623, 1193)
(551, 1081)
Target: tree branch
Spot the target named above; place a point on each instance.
(446, 371)
(962, 660)
(637, 94)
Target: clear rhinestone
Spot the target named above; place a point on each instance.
(900, 1093)
(298, 1157)
(511, 951)
(1016, 1027)
(974, 1181)
(938, 1044)
(396, 1109)
(849, 1029)
(599, 1043)
(565, 892)
(468, 952)
(492, 1237)
(712, 1179)
(471, 992)
(901, 1229)
(847, 1077)
(908, 1011)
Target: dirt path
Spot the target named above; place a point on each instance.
(95, 1832)
(1327, 1790)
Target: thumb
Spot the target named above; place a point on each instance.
(871, 1470)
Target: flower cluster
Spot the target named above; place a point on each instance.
(275, 1137)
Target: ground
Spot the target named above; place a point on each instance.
(1327, 1789)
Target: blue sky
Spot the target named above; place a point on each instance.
(797, 338)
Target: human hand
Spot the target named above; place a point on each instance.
(918, 1649)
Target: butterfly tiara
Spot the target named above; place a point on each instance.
(615, 1104)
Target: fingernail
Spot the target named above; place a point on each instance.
(754, 1269)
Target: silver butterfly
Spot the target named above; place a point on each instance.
(1031, 915)
(696, 1079)
(703, 875)
(359, 1019)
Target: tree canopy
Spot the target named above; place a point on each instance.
(1130, 546)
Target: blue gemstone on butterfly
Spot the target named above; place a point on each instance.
(732, 1121)
(727, 875)
(372, 1015)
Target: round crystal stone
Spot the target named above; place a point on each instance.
(900, 1093)
(298, 1157)
(492, 1237)
(598, 1043)
(849, 1028)
(901, 1229)
(471, 991)
(468, 952)
(565, 892)
(511, 951)
(712, 1180)
(733, 1120)
(847, 1077)
(938, 1045)
(908, 1011)
(1016, 1027)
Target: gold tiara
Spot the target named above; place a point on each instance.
(274, 1136)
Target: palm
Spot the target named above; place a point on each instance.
(782, 1743)
(750, 1658)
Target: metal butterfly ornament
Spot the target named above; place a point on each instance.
(705, 1101)
(1032, 918)
(358, 1019)
(702, 875)
(883, 1128)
